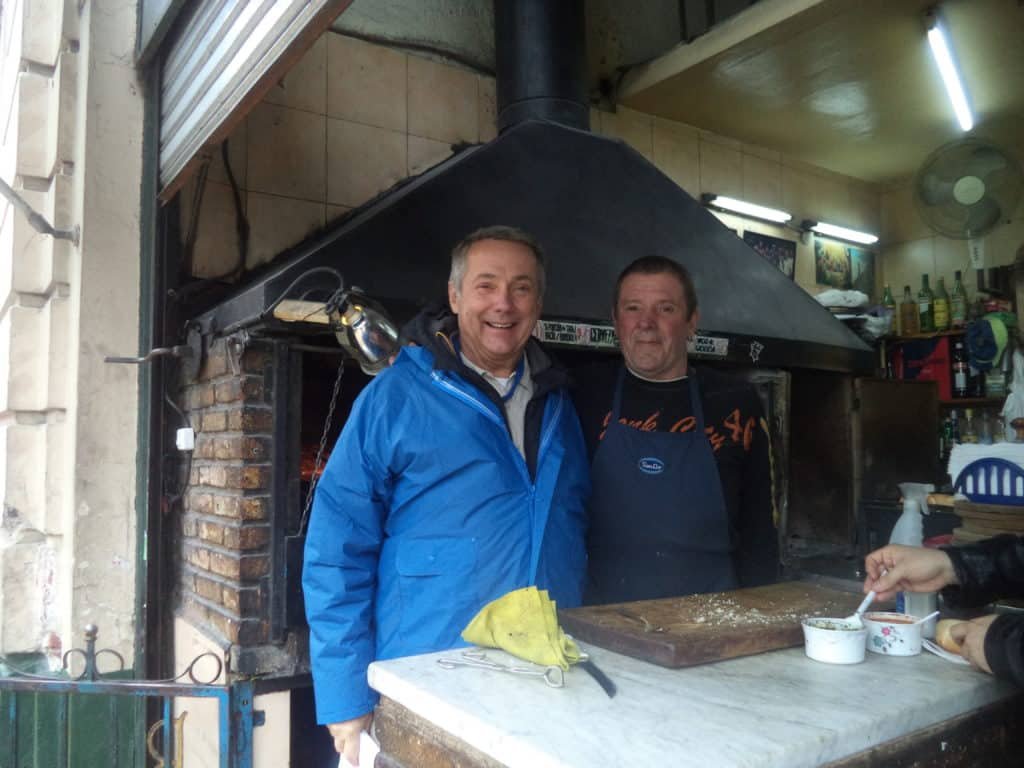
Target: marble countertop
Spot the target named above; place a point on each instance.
(773, 710)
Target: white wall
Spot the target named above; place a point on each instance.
(71, 109)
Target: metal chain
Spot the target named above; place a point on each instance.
(323, 444)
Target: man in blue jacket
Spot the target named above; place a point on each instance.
(461, 474)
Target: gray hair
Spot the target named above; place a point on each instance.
(497, 232)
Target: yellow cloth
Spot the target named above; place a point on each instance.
(525, 624)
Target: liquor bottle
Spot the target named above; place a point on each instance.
(968, 435)
(958, 303)
(954, 425)
(947, 438)
(959, 369)
(999, 378)
(909, 321)
(889, 306)
(940, 306)
(925, 306)
(984, 428)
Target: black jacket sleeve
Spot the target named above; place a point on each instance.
(757, 555)
(988, 570)
(1004, 647)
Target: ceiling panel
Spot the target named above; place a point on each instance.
(847, 85)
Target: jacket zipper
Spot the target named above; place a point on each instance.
(469, 399)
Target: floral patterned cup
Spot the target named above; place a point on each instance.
(894, 634)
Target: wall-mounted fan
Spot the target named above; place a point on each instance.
(968, 187)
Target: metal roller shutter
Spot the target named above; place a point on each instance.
(224, 58)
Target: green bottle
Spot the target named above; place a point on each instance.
(889, 304)
(940, 306)
(925, 306)
(958, 303)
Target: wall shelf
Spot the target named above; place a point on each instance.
(971, 402)
(932, 335)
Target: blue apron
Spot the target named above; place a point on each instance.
(658, 521)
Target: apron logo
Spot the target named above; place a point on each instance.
(651, 465)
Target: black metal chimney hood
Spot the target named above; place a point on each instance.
(594, 203)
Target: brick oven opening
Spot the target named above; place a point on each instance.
(321, 414)
(259, 406)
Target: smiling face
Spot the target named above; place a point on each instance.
(654, 324)
(498, 304)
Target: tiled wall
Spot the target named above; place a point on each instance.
(349, 121)
(353, 118)
(702, 162)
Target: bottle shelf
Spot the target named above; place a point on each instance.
(971, 402)
(919, 336)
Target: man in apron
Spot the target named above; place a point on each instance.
(681, 475)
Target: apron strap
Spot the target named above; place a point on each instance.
(695, 404)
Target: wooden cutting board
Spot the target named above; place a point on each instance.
(683, 631)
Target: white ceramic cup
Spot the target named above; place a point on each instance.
(833, 641)
(893, 634)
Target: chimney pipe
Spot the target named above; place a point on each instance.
(540, 50)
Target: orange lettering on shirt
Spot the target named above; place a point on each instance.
(732, 423)
(685, 424)
(748, 433)
(714, 438)
(650, 424)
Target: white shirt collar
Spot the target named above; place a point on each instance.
(501, 383)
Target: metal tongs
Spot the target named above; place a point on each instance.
(475, 657)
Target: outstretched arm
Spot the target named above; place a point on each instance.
(897, 568)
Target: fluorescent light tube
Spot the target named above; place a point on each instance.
(943, 55)
(854, 236)
(747, 209)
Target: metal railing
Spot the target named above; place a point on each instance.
(236, 716)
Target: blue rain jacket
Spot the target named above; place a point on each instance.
(426, 512)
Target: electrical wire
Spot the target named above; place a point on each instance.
(189, 243)
(241, 222)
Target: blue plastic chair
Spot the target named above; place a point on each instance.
(992, 481)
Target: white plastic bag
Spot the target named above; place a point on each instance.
(368, 749)
(1013, 408)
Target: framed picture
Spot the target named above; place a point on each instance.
(862, 270)
(831, 264)
(776, 251)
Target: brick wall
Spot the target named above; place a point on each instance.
(225, 523)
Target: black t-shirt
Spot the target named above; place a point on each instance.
(734, 423)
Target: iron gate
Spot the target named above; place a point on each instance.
(92, 720)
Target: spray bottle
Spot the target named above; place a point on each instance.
(909, 531)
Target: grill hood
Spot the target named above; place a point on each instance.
(595, 204)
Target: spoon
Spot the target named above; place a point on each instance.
(931, 615)
(855, 618)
